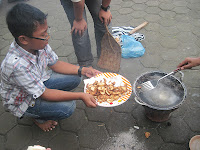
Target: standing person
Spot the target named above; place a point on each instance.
(27, 88)
(189, 63)
(75, 10)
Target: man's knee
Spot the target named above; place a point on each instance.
(67, 109)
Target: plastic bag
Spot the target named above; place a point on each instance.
(131, 47)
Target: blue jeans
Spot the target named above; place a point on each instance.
(47, 110)
(82, 45)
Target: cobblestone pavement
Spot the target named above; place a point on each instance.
(171, 35)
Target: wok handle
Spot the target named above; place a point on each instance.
(179, 71)
(139, 102)
(171, 73)
(182, 75)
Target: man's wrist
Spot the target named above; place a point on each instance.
(198, 58)
(79, 19)
(105, 8)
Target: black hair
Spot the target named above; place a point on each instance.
(23, 19)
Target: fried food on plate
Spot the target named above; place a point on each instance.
(106, 92)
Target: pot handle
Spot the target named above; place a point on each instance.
(139, 102)
(182, 75)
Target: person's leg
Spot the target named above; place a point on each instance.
(82, 45)
(45, 112)
(62, 82)
(94, 7)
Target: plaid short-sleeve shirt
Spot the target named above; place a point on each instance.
(22, 77)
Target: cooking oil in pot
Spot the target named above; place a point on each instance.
(160, 96)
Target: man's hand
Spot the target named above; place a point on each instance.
(189, 63)
(105, 16)
(79, 26)
(90, 72)
(88, 100)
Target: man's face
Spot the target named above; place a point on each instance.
(35, 42)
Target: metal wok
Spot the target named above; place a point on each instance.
(169, 95)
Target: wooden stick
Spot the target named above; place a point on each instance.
(138, 27)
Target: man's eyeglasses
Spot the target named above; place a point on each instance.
(45, 38)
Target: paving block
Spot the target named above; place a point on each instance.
(169, 31)
(128, 106)
(148, 62)
(153, 10)
(39, 134)
(177, 132)
(193, 120)
(1, 108)
(167, 14)
(140, 1)
(181, 10)
(152, 3)
(180, 3)
(154, 141)
(152, 17)
(167, 146)
(74, 122)
(138, 14)
(193, 95)
(184, 37)
(69, 141)
(124, 11)
(2, 142)
(64, 50)
(95, 132)
(170, 42)
(99, 114)
(124, 140)
(8, 121)
(3, 43)
(141, 120)
(42, 142)
(25, 121)
(166, 6)
(119, 122)
(18, 137)
(139, 7)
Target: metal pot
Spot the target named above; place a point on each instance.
(165, 98)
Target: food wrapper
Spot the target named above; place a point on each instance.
(36, 147)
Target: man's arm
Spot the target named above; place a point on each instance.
(59, 95)
(189, 63)
(106, 3)
(64, 68)
(78, 9)
(105, 16)
(79, 24)
(67, 68)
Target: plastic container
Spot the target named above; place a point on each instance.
(194, 143)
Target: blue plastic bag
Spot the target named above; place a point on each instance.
(131, 47)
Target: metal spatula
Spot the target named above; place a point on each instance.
(150, 85)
